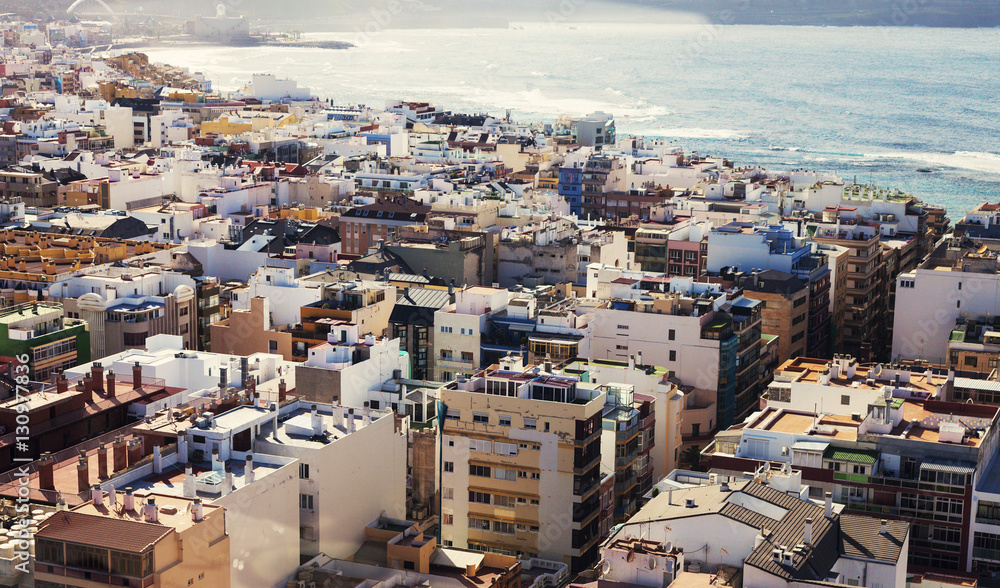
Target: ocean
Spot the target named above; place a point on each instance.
(873, 104)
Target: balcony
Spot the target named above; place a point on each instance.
(456, 361)
(626, 483)
(984, 553)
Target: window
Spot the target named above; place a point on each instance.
(447, 519)
(479, 497)
(501, 448)
(183, 311)
(453, 414)
(845, 399)
(445, 329)
(480, 417)
(449, 466)
(530, 423)
(479, 470)
(546, 427)
(448, 493)
(306, 501)
(503, 527)
(304, 471)
(504, 501)
(505, 474)
(482, 445)
(479, 524)
(971, 360)
(134, 339)
(504, 420)
(272, 347)
(670, 335)
(536, 476)
(673, 355)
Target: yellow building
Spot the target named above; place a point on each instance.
(152, 540)
(521, 465)
(247, 122)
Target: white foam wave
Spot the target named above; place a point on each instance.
(978, 161)
(694, 133)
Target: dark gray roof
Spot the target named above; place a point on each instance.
(860, 537)
(747, 516)
(816, 560)
(425, 297)
(772, 282)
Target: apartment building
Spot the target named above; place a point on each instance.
(40, 331)
(458, 330)
(150, 539)
(952, 290)
(412, 322)
(35, 187)
(750, 248)
(521, 455)
(363, 226)
(672, 245)
(125, 306)
(884, 442)
(786, 309)
(709, 338)
(866, 294)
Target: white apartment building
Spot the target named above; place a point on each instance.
(458, 328)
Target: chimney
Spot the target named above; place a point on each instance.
(631, 362)
(112, 497)
(251, 386)
(62, 384)
(807, 533)
(128, 503)
(338, 416)
(110, 388)
(102, 462)
(670, 495)
(350, 420)
(137, 376)
(366, 415)
(256, 399)
(451, 291)
(120, 460)
(274, 421)
(134, 451)
(248, 471)
(151, 512)
(97, 495)
(282, 392)
(86, 387)
(317, 422)
(244, 369)
(217, 465)
(829, 505)
(97, 376)
(182, 448)
(189, 481)
(883, 527)
(638, 357)
(82, 474)
(197, 510)
(45, 475)
(223, 379)
(227, 486)
(157, 460)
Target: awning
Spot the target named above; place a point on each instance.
(813, 446)
(851, 455)
(952, 468)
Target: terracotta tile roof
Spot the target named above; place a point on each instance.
(105, 532)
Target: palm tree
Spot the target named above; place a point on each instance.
(692, 458)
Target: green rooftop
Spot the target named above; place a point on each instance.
(851, 455)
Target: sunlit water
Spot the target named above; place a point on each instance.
(869, 103)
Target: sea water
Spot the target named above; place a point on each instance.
(871, 104)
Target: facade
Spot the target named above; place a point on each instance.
(885, 442)
(412, 322)
(124, 310)
(786, 309)
(246, 332)
(953, 290)
(51, 341)
(521, 454)
(150, 540)
(595, 130)
(866, 295)
(458, 331)
(32, 186)
(708, 338)
(363, 226)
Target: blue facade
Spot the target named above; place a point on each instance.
(571, 187)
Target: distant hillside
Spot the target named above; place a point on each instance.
(312, 15)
